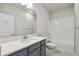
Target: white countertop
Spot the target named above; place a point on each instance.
(10, 47)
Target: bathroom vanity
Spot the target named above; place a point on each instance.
(37, 49)
(36, 46)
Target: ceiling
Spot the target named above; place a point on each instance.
(51, 7)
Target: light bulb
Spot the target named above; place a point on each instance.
(23, 4)
(56, 23)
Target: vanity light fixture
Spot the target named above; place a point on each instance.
(29, 5)
(56, 23)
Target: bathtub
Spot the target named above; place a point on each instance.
(65, 46)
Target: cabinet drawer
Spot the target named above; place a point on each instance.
(43, 50)
(33, 47)
(35, 53)
(43, 42)
(23, 52)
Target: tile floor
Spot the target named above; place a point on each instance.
(56, 52)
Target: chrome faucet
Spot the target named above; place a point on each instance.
(25, 37)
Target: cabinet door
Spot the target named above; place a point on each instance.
(43, 50)
(34, 47)
(35, 52)
(23, 52)
(43, 42)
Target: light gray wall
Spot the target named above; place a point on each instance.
(66, 12)
(76, 10)
(61, 14)
(23, 20)
(42, 19)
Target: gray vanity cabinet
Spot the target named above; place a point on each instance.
(34, 50)
(35, 53)
(37, 49)
(43, 50)
(34, 47)
(23, 52)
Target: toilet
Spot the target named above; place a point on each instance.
(50, 44)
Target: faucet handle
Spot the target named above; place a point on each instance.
(25, 37)
(48, 34)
